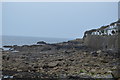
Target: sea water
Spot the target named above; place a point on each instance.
(20, 40)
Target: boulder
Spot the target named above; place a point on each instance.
(99, 51)
(116, 73)
(53, 64)
(41, 42)
(7, 46)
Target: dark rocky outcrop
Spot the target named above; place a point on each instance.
(41, 42)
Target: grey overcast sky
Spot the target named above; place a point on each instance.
(56, 19)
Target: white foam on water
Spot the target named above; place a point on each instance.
(6, 76)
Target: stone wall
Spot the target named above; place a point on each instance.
(103, 42)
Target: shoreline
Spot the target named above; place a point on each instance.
(94, 56)
(72, 59)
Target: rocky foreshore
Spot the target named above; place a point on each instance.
(66, 60)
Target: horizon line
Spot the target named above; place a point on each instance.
(38, 36)
(59, 1)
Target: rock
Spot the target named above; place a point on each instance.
(41, 42)
(62, 76)
(53, 64)
(73, 77)
(86, 64)
(116, 73)
(93, 70)
(99, 51)
(19, 70)
(118, 78)
(94, 53)
(1, 49)
(15, 51)
(23, 75)
(4, 57)
(59, 59)
(46, 49)
(79, 77)
(109, 76)
(71, 59)
(82, 73)
(7, 46)
(36, 66)
(109, 72)
(104, 61)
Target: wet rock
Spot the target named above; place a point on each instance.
(94, 53)
(7, 46)
(41, 42)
